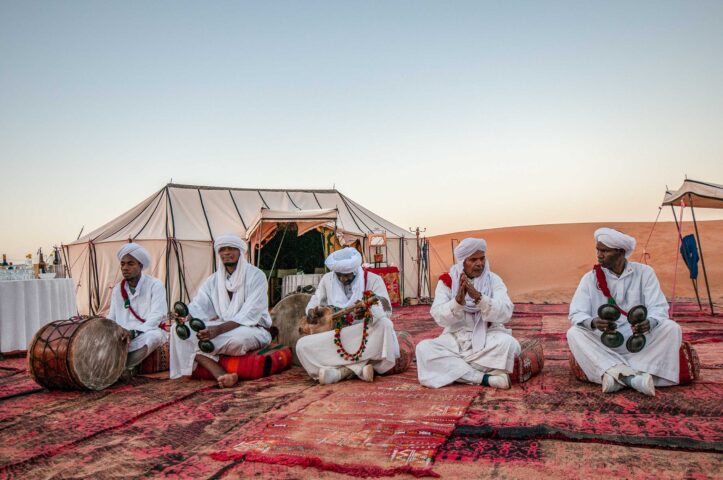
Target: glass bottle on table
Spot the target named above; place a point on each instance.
(5, 261)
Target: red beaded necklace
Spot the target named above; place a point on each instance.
(348, 320)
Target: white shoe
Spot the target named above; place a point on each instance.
(643, 383)
(499, 380)
(367, 373)
(329, 375)
(609, 385)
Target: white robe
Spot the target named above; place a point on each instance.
(251, 334)
(149, 302)
(382, 350)
(449, 357)
(637, 285)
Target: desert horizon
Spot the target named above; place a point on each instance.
(544, 263)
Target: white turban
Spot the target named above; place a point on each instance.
(137, 252)
(614, 239)
(346, 260)
(468, 246)
(230, 241)
(235, 282)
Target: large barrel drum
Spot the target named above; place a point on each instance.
(78, 354)
(286, 316)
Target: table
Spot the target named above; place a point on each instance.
(390, 275)
(290, 283)
(27, 305)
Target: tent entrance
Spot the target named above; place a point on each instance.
(287, 253)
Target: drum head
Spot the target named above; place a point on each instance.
(98, 354)
(286, 316)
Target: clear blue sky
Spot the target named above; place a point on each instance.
(449, 115)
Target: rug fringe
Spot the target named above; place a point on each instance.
(316, 462)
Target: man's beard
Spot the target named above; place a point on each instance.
(230, 264)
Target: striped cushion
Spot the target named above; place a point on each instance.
(529, 362)
(253, 365)
(157, 361)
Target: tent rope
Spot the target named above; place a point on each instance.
(278, 250)
(645, 255)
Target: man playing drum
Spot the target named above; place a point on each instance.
(472, 306)
(138, 304)
(622, 284)
(233, 303)
(364, 346)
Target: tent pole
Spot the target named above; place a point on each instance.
(258, 246)
(700, 249)
(679, 229)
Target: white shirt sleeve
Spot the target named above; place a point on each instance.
(654, 298)
(319, 296)
(158, 308)
(376, 284)
(445, 309)
(581, 310)
(202, 304)
(114, 300)
(499, 307)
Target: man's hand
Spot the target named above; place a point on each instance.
(125, 336)
(473, 293)
(600, 324)
(174, 317)
(462, 291)
(642, 327)
(208, 333)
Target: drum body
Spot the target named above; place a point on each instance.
(286, 316)
(78, 354)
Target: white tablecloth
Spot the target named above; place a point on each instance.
(27, 305)
(290, 283)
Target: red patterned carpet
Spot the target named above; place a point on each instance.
(286, 426)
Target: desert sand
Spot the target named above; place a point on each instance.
(544, 263)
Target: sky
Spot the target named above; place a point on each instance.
(445, 115)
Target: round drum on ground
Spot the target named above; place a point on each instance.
(87, 353)
(286, 316)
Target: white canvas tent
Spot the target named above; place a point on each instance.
(178, 224)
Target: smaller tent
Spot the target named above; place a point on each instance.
(694, 193)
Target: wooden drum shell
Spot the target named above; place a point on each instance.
(78, 354)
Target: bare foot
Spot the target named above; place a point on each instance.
(227, 380)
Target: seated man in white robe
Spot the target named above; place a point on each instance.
(233, 303)
(629, 284)
(138, 304)
(341, 288)
(475, 347)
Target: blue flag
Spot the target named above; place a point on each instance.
(689, 251)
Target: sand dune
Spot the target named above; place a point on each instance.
(544, 263)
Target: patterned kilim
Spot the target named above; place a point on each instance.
(287, 426)
(386, 427)
(556, 426)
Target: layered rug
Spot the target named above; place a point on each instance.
(287, 426)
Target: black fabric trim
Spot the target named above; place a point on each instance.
(237, 210)
(262, 199)
(292, 200)
(210, 233)
(547, 432)
(129, 221)
(149, 219)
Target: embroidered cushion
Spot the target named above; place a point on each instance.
(259, 363)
